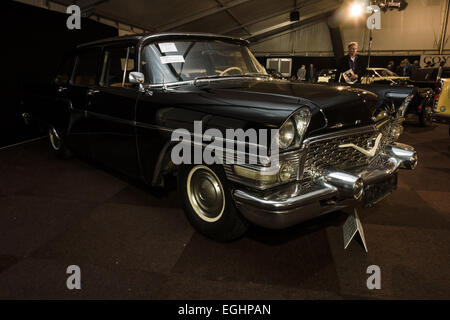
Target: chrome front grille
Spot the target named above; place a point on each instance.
(324, 153)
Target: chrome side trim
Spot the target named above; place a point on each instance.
(396, 95)
(110, 118)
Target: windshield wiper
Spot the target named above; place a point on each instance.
(242, 75)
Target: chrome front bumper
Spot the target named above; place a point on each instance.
(331, 191)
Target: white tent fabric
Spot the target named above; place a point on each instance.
(415, 30)
(312, 40)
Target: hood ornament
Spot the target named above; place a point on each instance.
(368, 153)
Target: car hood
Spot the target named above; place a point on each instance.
(333, 106)
(271, 102)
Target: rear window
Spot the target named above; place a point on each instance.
(64, 74)
(118, 62)
(87, 67)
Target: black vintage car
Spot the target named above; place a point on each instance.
(392, 96)
(120, 102)
(392, 90)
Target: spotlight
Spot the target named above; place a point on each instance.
(356, 9)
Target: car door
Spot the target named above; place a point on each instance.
(111, 111)
(54, 104)
(84, 79)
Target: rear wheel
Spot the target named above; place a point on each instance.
(207, 202)
(57, 144)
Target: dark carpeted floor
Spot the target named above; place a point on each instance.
(130, 243)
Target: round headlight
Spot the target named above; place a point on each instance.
(286, 172)
(302, 118)
(286, 134)
(442, 109)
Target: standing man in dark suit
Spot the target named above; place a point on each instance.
(312, 73)
(352, 61)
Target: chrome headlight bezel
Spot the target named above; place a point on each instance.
(286, 134)
(292, 132)
(302, 119)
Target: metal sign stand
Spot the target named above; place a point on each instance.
(352, 226)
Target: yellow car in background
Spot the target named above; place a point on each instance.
(441, 111)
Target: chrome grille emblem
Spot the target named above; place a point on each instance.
(368, 153)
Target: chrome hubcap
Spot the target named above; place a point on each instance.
(54, 139)
(205, 193)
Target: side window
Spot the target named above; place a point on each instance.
(65, 71)
(118, 62)
(87, 67)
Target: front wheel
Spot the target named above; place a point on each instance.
(207, 202)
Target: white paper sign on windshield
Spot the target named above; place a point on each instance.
(172, 59)
(167, 47)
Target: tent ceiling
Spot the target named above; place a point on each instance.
(243, 18)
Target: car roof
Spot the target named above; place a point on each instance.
(144, 37)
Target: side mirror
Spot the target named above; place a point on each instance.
(138, 78)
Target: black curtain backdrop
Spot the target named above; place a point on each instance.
(34, 41)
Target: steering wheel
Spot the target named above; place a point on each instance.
(229, 69)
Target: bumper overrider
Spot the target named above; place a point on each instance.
(332, 190)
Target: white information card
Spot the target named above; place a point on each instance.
(168, 47)
(172, 59)
(351, 226)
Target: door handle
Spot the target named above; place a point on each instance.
(62, 89)
(92, 92)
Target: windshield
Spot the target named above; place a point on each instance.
(175, 61)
